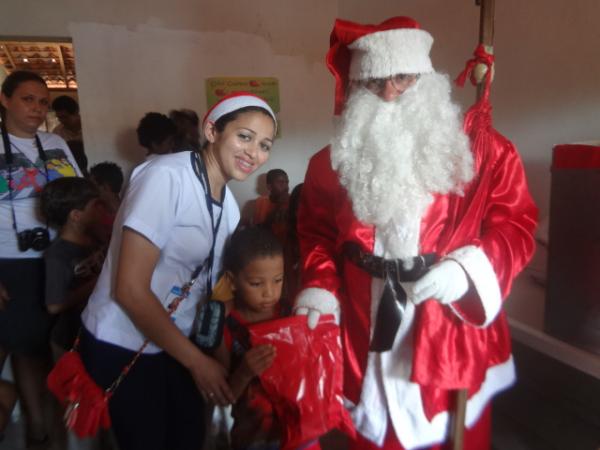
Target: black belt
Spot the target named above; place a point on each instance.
(401, 270)
(393, 300)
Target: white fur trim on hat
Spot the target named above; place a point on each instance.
(235, 102)
(386, 53)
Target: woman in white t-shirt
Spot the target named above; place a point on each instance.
(177, 211)
(28, 160)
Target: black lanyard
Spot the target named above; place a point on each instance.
(8, 157)
(202, 175)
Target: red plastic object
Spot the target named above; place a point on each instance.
(306, 378)
(85, 402)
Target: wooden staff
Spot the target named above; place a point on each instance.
(486, 37)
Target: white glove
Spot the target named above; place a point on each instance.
(312, 302)
(445, 282)
(313, 315)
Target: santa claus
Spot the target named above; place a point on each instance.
(412, 225)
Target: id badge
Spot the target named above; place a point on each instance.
(174, 293)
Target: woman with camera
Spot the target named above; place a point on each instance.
(28, 160)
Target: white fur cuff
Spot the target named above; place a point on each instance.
(319, 299)
(479, 269)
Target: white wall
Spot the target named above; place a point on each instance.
(135, 56)
(547, 85)
(159, 69)
(546, 90)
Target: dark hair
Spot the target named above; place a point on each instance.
(293, 204)
(65, 103)
(274, 173)
(63, 195)
(108, 173)
(182, 115)
(154, 128)
(248, 244)
(12, 82)
(78, 151)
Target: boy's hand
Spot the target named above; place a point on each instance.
(258, 359)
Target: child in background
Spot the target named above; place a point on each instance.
(74, 259)
(108, 178)
(156, 133)
(271, 210)
(292, 248)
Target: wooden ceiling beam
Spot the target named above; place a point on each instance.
(40, 60)
(62, 65)
(9, 55)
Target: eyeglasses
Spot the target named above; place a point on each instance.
(400, 81)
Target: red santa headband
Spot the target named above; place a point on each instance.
(358, 52)
(234, 102)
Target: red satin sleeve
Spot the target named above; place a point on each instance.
(510, 219)
(508, 213)
(317, 230)
(498, 215)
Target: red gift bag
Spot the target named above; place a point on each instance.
(85, 402)
(306, 378)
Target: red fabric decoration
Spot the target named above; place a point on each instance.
(338, 57)
(480, 56)
(305, 380)
(85, 402)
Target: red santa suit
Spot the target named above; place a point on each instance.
(488, 231)
(438, 348)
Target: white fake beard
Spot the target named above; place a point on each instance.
(392, 156)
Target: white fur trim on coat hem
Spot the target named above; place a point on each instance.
(479, 269)
(405, 409)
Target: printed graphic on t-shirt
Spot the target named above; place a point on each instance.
(91, 265)
(29, 178)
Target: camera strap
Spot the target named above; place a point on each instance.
(202, 175)
(8, 157)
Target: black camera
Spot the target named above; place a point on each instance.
(37, 238)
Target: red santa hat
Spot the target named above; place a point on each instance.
(232, 103)
(358, 52)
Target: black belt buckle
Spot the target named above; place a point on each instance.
(391, 270)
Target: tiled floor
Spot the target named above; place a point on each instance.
(553, 407)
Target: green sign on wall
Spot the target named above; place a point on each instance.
(265, 87)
